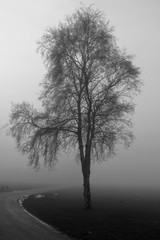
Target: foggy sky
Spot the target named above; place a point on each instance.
(137, 28)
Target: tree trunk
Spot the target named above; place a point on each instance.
(85, 164)
(86, 191)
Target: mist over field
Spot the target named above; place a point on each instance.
(136, 25)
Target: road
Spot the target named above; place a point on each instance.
(16, 224)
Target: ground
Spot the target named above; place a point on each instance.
(116, 214)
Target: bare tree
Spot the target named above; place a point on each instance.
(86, 96)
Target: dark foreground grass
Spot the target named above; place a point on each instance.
(115, 214)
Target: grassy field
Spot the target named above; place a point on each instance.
(116, 214)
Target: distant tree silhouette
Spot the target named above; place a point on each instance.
(86, 96)
(4, 188)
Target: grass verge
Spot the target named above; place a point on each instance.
(115, 214)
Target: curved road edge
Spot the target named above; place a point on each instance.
(20, 202)
(17, 223)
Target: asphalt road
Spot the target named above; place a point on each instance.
(16, 224)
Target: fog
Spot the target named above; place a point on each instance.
(137, 24)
